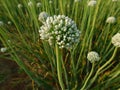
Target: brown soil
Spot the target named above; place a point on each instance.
(11, 78)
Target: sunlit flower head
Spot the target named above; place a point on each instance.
(1, 23)
(20, 6)
(111, 19)
(9, 22)
(3, 49)
(39, 4)
(77, 0)
(114, 0)
(9, 41)
(93, 56)
(116, 40)
(50, 1)
(92, 3)
(30, 3)
(43, 16)
(60, 30)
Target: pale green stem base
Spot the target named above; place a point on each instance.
(59, 67)
(83, 88)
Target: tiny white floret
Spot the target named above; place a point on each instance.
(3, 49)
(116, 40)
(114, 0)
(1, 23)
(111, 19)
(38, 4)
(9, 22)
(50, 1)
(30, 3)
(43, 16)
(77, 0)
(19, 6)
(92, 3)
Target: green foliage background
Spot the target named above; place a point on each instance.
(38, 59)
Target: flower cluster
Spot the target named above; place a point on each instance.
(92, 3)
(3, 49)
(30, 3)
(43, 16)
(50, 2)
(39, 4)
(114, 0)
(1, 23)
(116, 40)
(9, 22)
(77, 0)
(60, 30)
(93, 56)
(111, 19)
(20, 6)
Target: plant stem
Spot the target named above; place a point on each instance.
(59, 65)
(86, 81)
(114, 53)
(99, 70)
(33, 86)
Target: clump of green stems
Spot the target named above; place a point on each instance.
(53, 68)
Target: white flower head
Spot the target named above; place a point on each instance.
(9, 41)
(77, 0)
(4, 49)
(20, 6)
(92, 3)
(111, 19)
(39, 4)
(114, 0)
(50, 1)
(9, 22)
(30, 3)
(1, 23)
(60, 30)
(43, 16)
(116, 40)
(93, 56)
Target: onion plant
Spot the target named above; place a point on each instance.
(63, 44)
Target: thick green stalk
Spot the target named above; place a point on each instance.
(86, 81)
(65, 74)
(59, 67)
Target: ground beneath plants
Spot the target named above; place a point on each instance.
(12, 78)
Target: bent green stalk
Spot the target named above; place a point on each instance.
(102, 67)
(86, 81)
(59, 66)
